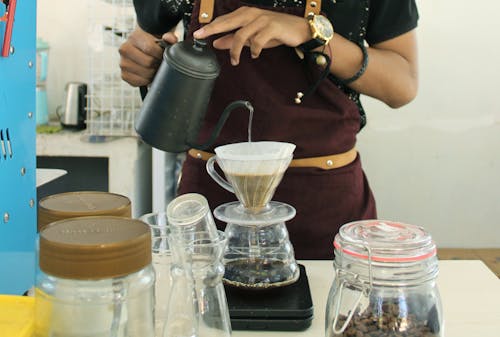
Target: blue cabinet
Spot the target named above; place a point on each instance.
(17, 145)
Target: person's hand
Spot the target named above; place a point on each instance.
(255, 28)
(141, 55)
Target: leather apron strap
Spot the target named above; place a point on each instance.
(312, 6)
(206, 11)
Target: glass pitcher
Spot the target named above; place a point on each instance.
(385, 282)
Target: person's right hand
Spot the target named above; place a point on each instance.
(141, 55)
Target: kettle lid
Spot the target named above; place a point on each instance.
(193, 58)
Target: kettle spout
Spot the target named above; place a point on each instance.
(220, 123)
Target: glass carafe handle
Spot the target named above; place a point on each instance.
(216, 176)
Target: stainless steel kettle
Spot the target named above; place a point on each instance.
(75, 106)
(175, 105)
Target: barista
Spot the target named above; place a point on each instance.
(270, 56)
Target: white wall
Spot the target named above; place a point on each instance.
(435, 162)
(63, 24)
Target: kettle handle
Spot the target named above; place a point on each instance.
(222, 120)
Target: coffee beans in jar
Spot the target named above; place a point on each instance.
(384, 284)
(390, 322)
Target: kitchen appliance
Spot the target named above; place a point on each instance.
(259, 258)
(175, 105)
(75, 107)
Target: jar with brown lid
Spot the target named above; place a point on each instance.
(385, 282)
(95, 279)
(81, 203)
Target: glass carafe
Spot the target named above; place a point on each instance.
(385, 282)
(259, 254)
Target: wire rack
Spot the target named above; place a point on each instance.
(112, 103)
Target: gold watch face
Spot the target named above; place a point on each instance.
(323, 27)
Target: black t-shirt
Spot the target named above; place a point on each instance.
(373, 21)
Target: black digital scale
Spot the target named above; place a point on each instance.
(287, 308)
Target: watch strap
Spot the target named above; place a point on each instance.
(310, 45)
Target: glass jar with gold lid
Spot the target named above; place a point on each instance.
(95, 279)
(67, 205)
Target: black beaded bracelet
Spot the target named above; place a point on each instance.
(362, 70)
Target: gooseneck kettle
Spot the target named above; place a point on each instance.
(174, 108)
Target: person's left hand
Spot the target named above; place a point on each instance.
(255, 28)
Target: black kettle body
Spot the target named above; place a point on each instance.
(175, 105)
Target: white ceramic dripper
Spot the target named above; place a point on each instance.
(253, 170)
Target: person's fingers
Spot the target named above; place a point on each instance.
(138, 56)
(259, 41)
(244, 37)
(135, 74)
(134, 80)
(264, 38)
(224, 42)
(147, 44)
(169, 37)
(132, 67)
(228, 22)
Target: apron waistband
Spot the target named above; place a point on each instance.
(328, 162)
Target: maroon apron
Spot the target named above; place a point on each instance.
(325, 123)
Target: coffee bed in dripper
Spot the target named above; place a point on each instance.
(259, 256)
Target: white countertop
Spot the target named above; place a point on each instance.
(44, 176)
(470, 294)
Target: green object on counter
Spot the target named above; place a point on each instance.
(48, 128)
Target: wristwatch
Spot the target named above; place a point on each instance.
(321, 30)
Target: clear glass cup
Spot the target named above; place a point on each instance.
(197, 304)
(385, 282)
(190, 213)
(162, 262)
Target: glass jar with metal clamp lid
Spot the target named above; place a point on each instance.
(385, 282)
